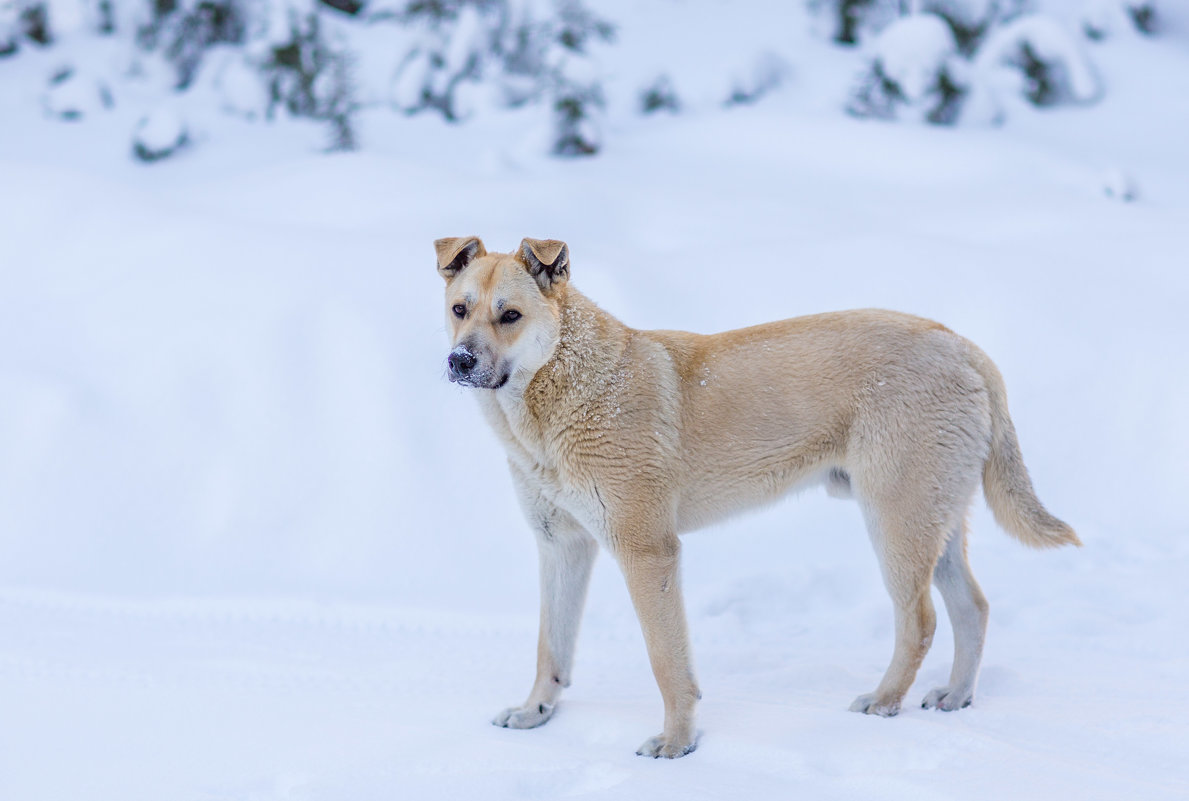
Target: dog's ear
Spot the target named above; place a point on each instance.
(547, 260)
(456, 252)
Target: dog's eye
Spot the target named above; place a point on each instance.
(510, 316)
(459, 310)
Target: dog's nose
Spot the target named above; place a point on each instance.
(461, 362)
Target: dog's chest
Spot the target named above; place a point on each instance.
(539, 455)
(520, 434)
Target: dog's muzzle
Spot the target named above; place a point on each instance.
(463, 366)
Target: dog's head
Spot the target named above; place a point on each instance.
(503, 310)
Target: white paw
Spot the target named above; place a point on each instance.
(524, 717)
(869, 705)
(661, 746)
(948, 700)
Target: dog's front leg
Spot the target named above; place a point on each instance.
(653, 573)
(567, 553)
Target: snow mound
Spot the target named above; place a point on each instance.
(73, 96)
(159, 135)
(1046, 63)
(914, 70)
(1101, 19)
(240, 91)
(1118, 185)
(912, 52)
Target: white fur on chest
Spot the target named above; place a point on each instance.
(528, 450)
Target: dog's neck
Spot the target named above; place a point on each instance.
(583, 366)
(580, 375)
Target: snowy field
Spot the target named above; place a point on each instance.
(255, 547)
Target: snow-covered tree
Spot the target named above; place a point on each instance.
(766, 73)
(527, 53)
(183, 30)
(856, 20)
(978, 55)
(660, 95)
(851, 18)
(1103, 18)
(159, 135)
(1036, 58)
(23, 21)
(939, 61)
(914, 69)
(308, 72)
(970, 20)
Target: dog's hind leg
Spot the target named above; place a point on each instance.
(906, 553)
(567, 553)
(967, 609)
(917, 462)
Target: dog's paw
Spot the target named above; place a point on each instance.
(662, 746)
(524, 717)
(948, 700)
(870, 705)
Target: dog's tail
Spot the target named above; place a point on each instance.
(1006, 484)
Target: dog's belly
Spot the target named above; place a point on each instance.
(743, 447)
(736, 479)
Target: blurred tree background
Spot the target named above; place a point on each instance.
(937, 61)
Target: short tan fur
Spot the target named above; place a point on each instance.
(627, 438)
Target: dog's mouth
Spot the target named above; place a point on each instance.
(480, 381)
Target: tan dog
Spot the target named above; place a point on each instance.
(629, 438)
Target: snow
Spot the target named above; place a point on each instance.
(466, 38)
(1118, 185)
(253, 545)
(1102, 18)
(970, 13)
(913, 50)
(159, 133)
(239, 90)
(1051, 43)
(409, 80)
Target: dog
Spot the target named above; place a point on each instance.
(626, 439)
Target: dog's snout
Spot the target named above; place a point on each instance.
(461, 362)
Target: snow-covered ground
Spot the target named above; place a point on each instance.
(254, 547)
